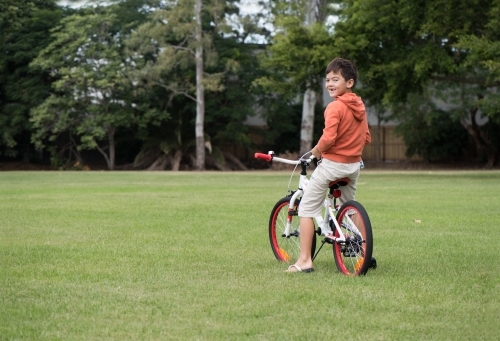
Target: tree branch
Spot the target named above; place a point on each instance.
(104, 154)
(175, 91)
(182, 48)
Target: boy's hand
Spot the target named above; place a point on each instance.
(316, 153)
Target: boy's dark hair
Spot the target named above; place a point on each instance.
(345, 67)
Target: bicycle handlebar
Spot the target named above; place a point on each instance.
(266, 157)
(270, 157)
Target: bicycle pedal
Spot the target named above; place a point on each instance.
(293, 213)
(328, 240)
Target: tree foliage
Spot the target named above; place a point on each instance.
(92, 96)
(123, 77)
(164, 54)
(404, 47)
(429, 131)
(296, 57)
(294, 65)
(25, 27)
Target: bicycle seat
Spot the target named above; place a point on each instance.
(335, 184)
(339, 182)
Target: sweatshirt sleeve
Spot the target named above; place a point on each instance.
(332, 119)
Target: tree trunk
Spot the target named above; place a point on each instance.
(110, 159)
(307, 126)
(160, 163)
(483, 147)
(200, 96)
(311, 16)
(235, 160)
(321, 12)
(111, 139)
(176, 162)
(212, 162)
(74, 150)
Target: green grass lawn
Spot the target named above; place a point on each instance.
(186, 256)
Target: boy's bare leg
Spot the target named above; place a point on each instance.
(306, 237)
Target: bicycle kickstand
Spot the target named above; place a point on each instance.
(325, 240)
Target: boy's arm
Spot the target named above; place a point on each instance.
(315, 151)
(330, 131)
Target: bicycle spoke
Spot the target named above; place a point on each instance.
(285, 248)
(353, 256)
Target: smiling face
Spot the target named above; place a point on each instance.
(337, 85)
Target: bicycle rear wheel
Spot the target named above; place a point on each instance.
(354, 256)
(286, 249)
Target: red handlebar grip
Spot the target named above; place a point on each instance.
(266, 157)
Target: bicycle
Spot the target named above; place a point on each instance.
(346, 228)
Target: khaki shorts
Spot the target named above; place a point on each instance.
(326, 172)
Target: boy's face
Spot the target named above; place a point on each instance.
(337, 85)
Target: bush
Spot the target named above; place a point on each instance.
(432, 133)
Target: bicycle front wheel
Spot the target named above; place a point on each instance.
(354, 256)
(286, 248)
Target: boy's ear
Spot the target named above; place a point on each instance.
(350, 83)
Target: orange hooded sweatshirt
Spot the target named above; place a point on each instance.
(346, 130)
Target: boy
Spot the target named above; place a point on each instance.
(339, 151)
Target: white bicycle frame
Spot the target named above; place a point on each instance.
(330, 210)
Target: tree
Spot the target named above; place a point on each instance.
(404, 47)
(92, 97)
(25, 27)
(227, 111)
(200, 91)
(294, 61)
(429, 131)
(165, 49)
(299, 51)
(483, 58)
(309, 101)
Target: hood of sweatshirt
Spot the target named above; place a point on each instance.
(354, 103)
